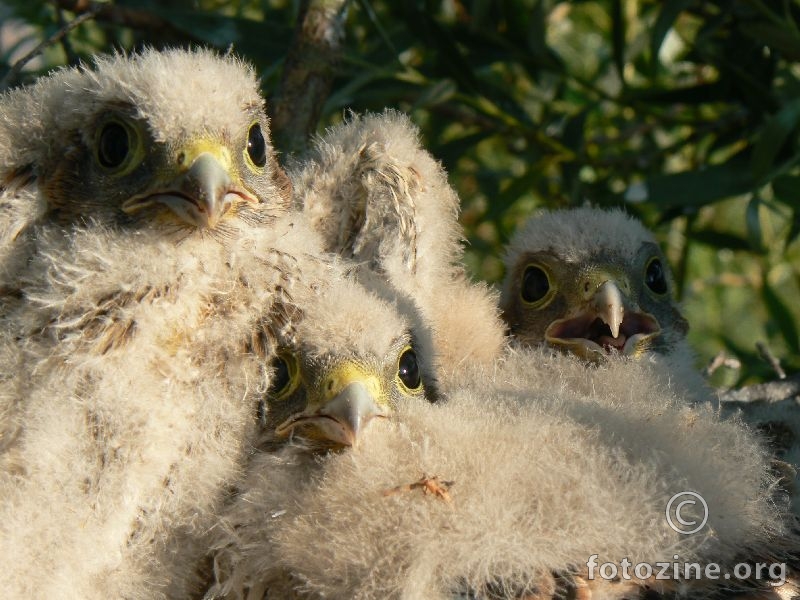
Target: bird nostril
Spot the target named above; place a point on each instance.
(181, 158)
(586, 287)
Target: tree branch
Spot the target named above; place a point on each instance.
(308, 73)
(773, 361)
(14, 72)
(772, 391)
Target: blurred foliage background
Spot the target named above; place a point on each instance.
(686, 113)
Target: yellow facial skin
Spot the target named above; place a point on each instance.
(199, 189)
(117, 171)
(329, 401)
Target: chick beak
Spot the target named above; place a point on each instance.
(609, 306)
(340, 420)
(603, 325)
(203, 193)
(344, 417)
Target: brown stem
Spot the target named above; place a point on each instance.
(773, 361)
(308, 73)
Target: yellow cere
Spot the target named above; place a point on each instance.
(343, 374)
(597, 276)
(189, 153)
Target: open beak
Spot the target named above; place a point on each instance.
(340, 420)
(201, 190)
(604, 326)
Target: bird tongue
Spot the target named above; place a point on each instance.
(609, 343)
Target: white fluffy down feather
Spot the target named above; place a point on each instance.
(132, 363)
(780, 422)
(122, 457)
(544, 475)
(381, 200)
(45, 125)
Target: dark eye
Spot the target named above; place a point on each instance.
(535, 284)
(408, 370)
(113, 146)
(281, 376)
(654, 277)
(257, 146)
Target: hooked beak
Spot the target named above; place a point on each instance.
(609, 306)
(341, 419)
(201, 191)
(604, 326)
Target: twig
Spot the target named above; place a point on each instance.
(429, 485)
(773, 361)
(308, 73)
(722, 360)
(14, 72)
(72, 57)
(772, 391)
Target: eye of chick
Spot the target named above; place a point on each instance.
(114, 145)
(655, 278)
(256, 145)
(535, 284)
(284, 376)
(408, 369)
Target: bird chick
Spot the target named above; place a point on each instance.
(175, 140)
(595, 283)
(542, 481)
(343, 367)
(152, 148)
(382, 202)
(162, 235)
(348, 357)
(592, 282)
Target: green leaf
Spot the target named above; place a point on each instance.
(437, 93)
(794, 227)
(537, 30)
(786, 189)
(784, 39)
(693, 189)
(666, 17)
(263, 39)
(772, 138)
(719, 239)
(573, 136)
(704, 93)
(449, 56)
(451, 151)
(783, 317)
(752, 220)
(518, 187)
(618, 38)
